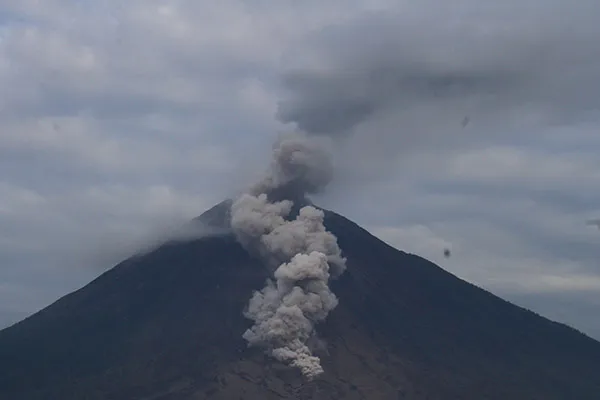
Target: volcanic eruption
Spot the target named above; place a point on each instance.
(169, 324)
(302, 252)
(204, 317)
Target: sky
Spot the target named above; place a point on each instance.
(471, 126)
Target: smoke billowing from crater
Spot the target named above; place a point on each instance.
(302, 253)
(301, 165)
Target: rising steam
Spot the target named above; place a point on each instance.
(302, 252)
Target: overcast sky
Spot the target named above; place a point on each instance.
(472, 126)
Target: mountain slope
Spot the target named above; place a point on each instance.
(168, 325)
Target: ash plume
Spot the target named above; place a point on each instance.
(301, 252)
(300, 165)
(393, 88)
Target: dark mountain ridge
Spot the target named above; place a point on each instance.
(168, 325)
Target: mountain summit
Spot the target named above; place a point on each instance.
(169, 325)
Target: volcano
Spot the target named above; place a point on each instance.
(168, 325)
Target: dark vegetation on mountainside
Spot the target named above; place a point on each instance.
(169, 324)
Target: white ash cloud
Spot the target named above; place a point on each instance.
(252, 217)
(304, 254)
(286, 310)
(305, 234)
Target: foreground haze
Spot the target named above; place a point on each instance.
(121, 120)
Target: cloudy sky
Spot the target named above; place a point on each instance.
(471, 126)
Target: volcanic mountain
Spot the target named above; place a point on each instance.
(168, 325)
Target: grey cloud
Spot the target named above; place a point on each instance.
(94, 227)
(415, 72)
(535, 225)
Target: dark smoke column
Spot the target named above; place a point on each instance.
(302, 252)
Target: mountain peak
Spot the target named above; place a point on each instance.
(168, 325)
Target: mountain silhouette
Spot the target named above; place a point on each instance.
(168, 325)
